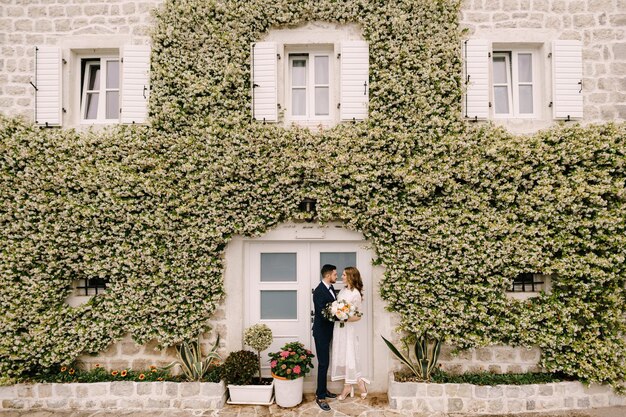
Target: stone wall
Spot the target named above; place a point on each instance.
(474, 399)
(126, 354)
(494, 359)
(115, 395)
(599, 24)
(25, 24)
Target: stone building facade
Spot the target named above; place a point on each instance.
(600, 25)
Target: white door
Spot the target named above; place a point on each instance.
(280, 278)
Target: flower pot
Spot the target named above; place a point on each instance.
(251, 394)
(288, 391)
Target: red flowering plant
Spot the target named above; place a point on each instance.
(292, 361)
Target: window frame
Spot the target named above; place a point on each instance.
(311, 51)
(83, 79)
(512, 61)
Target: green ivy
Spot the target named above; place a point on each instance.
(455, 210)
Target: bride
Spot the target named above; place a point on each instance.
(345, 351)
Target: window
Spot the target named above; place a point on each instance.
(509, 80)
(100, 89)
(309, 85)
(527, 282)
(514, 83)
(91, 286)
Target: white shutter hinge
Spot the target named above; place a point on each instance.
(338, 105)
(338, 56)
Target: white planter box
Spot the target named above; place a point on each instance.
(251, 394)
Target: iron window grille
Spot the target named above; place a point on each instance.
(91, 286)
(526, 282)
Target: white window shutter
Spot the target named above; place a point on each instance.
(264, 81)
(567, 77)
(48, 86)
(355, 59)
(135, 83)
(476, 55)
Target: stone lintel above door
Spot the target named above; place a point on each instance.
(311, 231)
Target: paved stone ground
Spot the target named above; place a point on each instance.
(373, 406)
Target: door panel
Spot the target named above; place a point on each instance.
(342, 255)
(279, 279)
(276, 274)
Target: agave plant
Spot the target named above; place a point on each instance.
(425, 358)
(190, 359)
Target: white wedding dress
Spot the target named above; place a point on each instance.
(345, 355)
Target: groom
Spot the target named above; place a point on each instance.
(323, 332)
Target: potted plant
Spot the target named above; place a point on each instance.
(240, 367)
(238, 372)
(289, 366)
(259, 337)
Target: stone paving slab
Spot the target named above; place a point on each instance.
(373, 406)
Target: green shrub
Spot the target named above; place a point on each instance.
(240, 367)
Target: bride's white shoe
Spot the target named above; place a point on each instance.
(344, 394)
(364, 391)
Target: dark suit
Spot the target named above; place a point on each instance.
(323, 335)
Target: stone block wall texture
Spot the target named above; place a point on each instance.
(599, 24)
(25, 24)
(115, 395)
(500, 399)
(494, 359)
(126, 354)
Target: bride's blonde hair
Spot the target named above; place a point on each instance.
(353, 276)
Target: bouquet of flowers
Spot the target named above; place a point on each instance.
(292, 361)
(340, 310)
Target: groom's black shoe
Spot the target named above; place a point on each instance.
(330, 395)
(323, 404)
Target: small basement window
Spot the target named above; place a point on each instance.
(91, 286)
(528, 282)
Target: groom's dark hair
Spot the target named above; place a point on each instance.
(327, 269)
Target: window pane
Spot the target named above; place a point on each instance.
(321, 101)
(501, 96)
(525, 68)
(113, 104)
(278, 267)
(298, 102)
(526, 99)
(340, 259)
(91, 107)
(321, 70)
(298, 73)
(113, 74)
(94, 78)
(279, 305)
(499, 70)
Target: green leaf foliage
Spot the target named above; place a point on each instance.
(454, 210)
